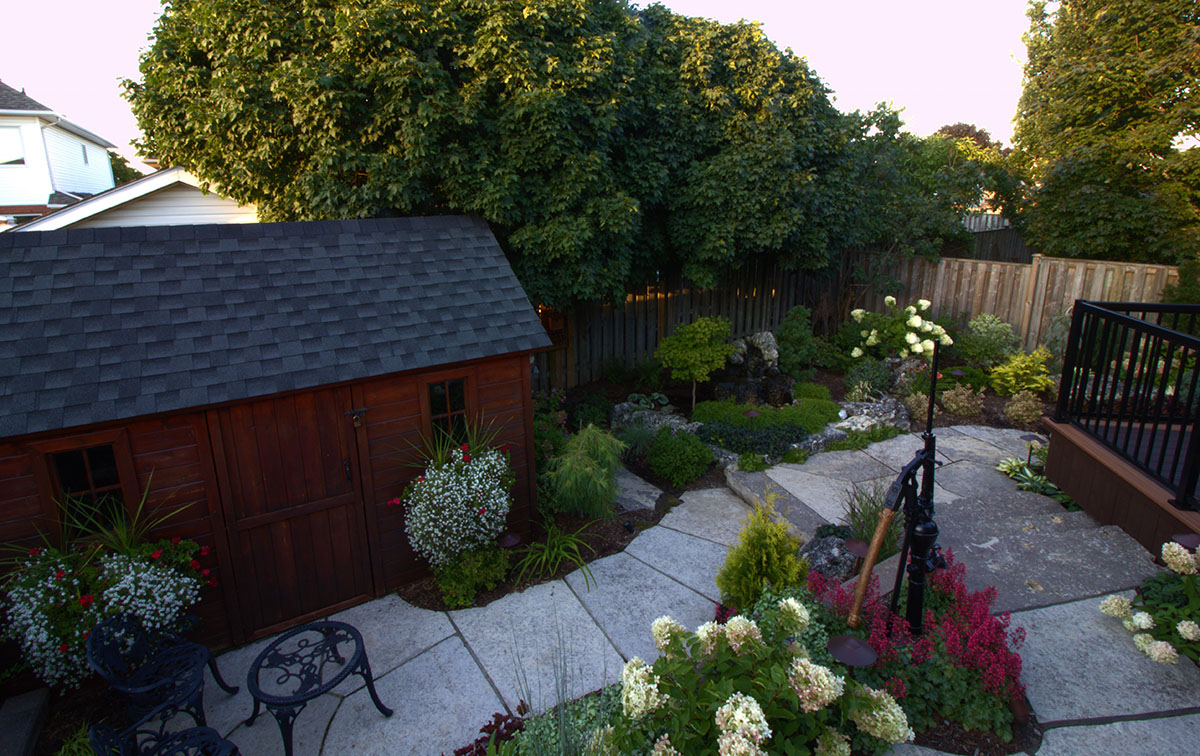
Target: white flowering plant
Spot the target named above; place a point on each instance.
(458, 505)
(1164, 617)
(748, 688)
(898, 332)
(55, 597)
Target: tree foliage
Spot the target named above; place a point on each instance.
(960, 130)
(122, 172)
(1110, 91)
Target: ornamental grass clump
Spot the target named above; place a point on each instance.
(1164, 617)
(746, 688)
(458, 505)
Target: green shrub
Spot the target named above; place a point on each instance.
(795, 456)
(1024, 408)
(963, 401)
(591, 409)
(856, 440)
(679, 458)
(917, 405)
(696, 350)
(583, 478)
(549, 428)
(812, 415)
(1023, 372)
(805, 390)
(647, 374)
(637, 439)
(479, 568)
(772, 441)
(966, 376)
(765, 554)
(77, 744)
(987, 341)
(871, 372)
(897, 332)
(863, 507)
(749, 462)
(797, 344)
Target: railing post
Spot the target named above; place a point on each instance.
(1191, 469)
(1069, 359)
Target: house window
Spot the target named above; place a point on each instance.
(448, 405)
(89, 484)
(12, 152)
(83, 147)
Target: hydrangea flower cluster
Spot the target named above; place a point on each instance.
(742, 633)
(639, 689)
(743, 727)
(881, 716)
(55, 599)
(1162, 630)
(832, 743)
(707, 636)
(458, 506)
(663, 747)
(665, 631)
(794, 614)
(905, 332)
(815, 685)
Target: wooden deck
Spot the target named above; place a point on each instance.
(1113, 490)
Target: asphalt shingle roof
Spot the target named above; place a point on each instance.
(107, 324)
(15, 99)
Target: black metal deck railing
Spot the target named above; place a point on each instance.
(1131, 380)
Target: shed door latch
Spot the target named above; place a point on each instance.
(356, 415)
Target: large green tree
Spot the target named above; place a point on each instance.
(603, 144)
(1111, 91)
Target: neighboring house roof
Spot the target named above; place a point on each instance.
(12, 99)
(118, 196)
(106, 324)
(980, 222)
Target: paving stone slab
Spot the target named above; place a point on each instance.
(308, 731)
(751, 487)
(853, 466)
(440, 699)
(1081, 664)
(625, 613)
(897, 452)
(1007, 440)
(1041, 568)
(714, 514)
(635, 493)
(529, 631)
(223, 711)
(973, 524)
(908, 749)
(940, 495)
(824, 496)
(967, 478)
(393, 631)
(690, 560)
(957, 447)
(21, 720)
(1171, 736)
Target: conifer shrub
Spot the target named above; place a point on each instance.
(583, 478)
(766, 555)
(679, 458)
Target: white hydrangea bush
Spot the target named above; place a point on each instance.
(458, 506)
(1163, 630)
(901, 332)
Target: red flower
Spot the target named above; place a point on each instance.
(86, 633)
(175, 541)
(195, 565)
(64, 648)
(205, 551)
(466, 458)
(482, 510)
(35, 551)
(60, 574)
(157, 553)
(464, 448)
(394, 502)
(86, 600)
(212, 583)
(206, 572)
(504, 449)
(420, 478)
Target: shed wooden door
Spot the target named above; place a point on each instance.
(293, 508)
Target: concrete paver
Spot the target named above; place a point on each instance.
(690, 560)
(852, 466)
(825, 496)
(393, 631)
(1170, 736)
(714, 514)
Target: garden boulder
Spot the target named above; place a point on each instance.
(864, 416)
(755, 354)
(626, 413)
(829, 557)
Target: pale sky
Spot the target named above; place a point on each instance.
(943, 61)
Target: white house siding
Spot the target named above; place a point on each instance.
(70, 173)
(27, 184)
(180, 204)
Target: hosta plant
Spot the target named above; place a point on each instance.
(458, 505)
(54, 598)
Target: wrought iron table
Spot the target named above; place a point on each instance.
(303, 664)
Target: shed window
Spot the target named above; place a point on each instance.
(85, 155)
(90, 485)
(448, 405)
(12, 152)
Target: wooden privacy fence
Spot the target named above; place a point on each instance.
(1028, 296)
(595, 336)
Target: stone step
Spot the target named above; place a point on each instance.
(972, 521)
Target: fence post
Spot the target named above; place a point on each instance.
(1027, 302)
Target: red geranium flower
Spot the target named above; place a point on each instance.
(175, 541)
(466, 458)
(157, 553)
(464, 448)
(212, 582)
(86, 600)
(205, 551)
(420, 478)
(86, 633)
(195, 564)
(482, 510)
(505, 448)
(394, 502)
(35, 551)
(64, 648)
(206, 572)
(60, 574)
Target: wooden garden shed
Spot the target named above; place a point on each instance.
(271, 377)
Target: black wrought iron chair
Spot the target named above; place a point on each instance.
(152, 737)
(151, 671)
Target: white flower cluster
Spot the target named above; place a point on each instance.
(707, 635)
(919, 340)
(458, 506)
(1188, 630)
(743, 727)
(815, 685)
(639, 689)
(663, 747)
(155, 593)
(1179, 559)
(53, 652)
(742, 632)
(664, 629)
(881, 716)
(795, 615)
(1116, 606)
(832, 743)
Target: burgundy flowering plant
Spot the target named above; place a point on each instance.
(964, 667)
